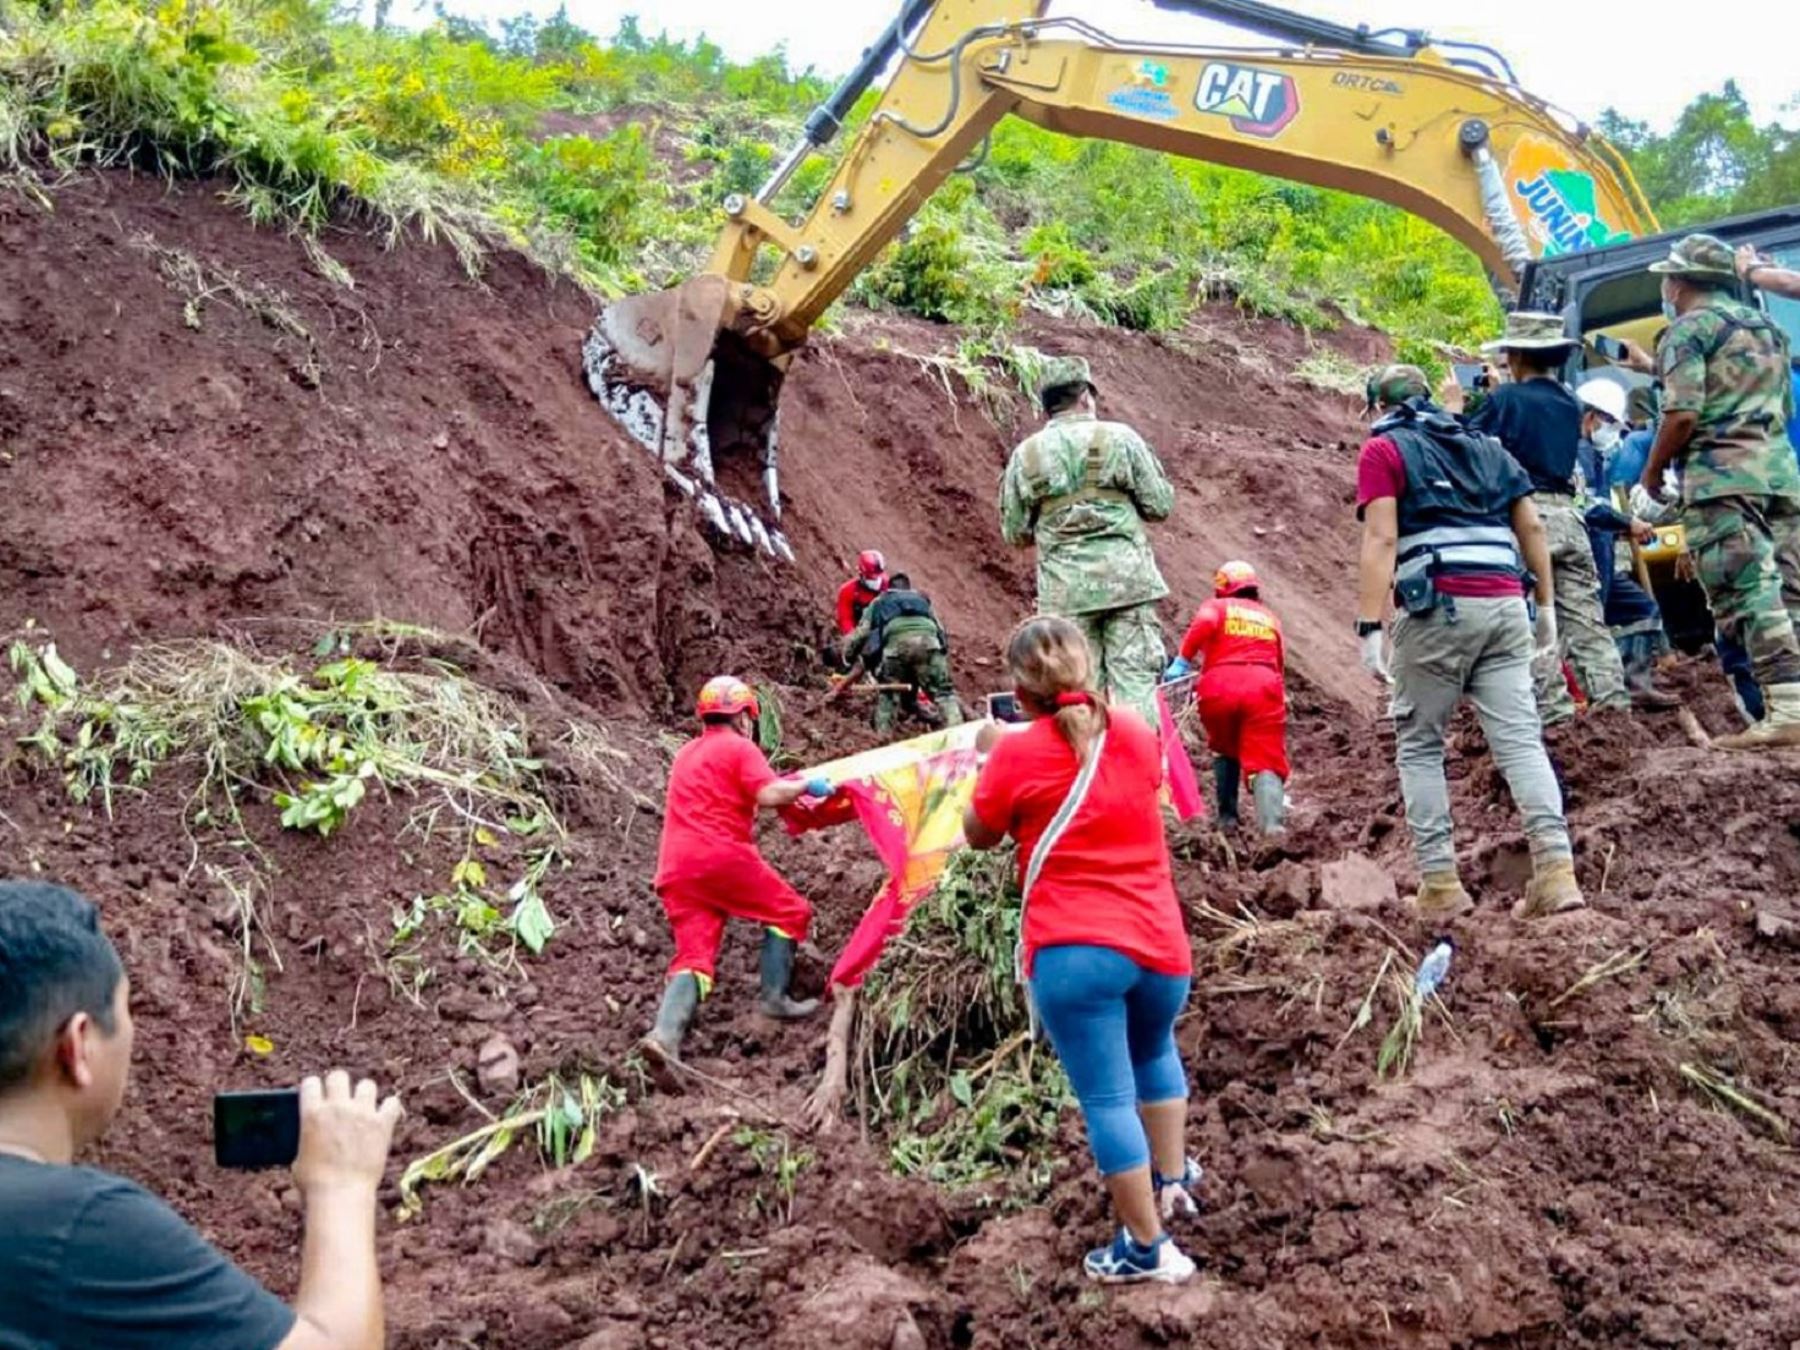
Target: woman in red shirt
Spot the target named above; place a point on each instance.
(1106, 954)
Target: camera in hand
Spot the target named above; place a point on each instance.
(1005, 708)
(258, 1129)
(1472, 375)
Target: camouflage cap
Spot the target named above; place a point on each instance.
(1700, 255)
(1391, 386)
(1061, 371)
(1527, 331)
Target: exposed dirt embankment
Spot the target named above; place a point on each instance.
(202, 433)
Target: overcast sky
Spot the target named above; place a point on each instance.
(1647, 59)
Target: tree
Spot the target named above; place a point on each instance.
(1715, 160)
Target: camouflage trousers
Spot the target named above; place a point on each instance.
(1582, 637)
(1747, 557)
(915, 660)
(1128, 654)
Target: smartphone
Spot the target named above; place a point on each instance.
(1611, 348)
(1005, 708)
(258, 1129)
(1467, 375)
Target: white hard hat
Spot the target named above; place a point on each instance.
(1603, 396)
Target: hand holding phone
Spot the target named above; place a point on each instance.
(1612, 349)
(344, 1135)
(1005, 708)
(334, 1137)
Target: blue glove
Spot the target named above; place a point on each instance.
(1179, 669)
(820, 788)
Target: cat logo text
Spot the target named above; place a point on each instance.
(1258, 102)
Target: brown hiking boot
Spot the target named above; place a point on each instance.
(1551, 890)
(1781, 725)
(1441, 897)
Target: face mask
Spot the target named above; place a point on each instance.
(1668, 310)
(1605, 438)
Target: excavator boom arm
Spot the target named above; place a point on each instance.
(1449, 138)
(1499, 170)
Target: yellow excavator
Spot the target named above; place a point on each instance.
(1440, 129)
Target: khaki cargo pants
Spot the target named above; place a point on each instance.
(1583, 638)
(917, 660)
(1747, 556)
(1128, 654)
(1485, 654)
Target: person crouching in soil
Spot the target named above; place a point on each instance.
(708, 868)
(1104, 948)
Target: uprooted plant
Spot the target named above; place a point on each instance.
(312, 741)
(781, 1163)
(562, 1117)
(944, 1061)
(255, 726)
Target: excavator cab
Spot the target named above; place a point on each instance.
(1610, 292)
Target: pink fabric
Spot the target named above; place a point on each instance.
(1178, 769)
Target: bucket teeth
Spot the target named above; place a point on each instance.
(640, 413)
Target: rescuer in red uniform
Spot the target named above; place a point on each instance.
(1235, 642)
(858, 593)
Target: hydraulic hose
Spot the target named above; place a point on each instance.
(827, 119)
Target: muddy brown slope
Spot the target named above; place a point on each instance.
(201, 433)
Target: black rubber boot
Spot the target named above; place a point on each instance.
(679, 1003)
(777, 970)
(1225, 784)
(1271, 802)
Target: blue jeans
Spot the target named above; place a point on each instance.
(1113, 1025)
(1735, 662)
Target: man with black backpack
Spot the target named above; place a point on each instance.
(901, 642)
(1449, 529)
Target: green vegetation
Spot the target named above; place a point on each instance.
(781, 1163)
(1714, 162)
(606, 161)
(562, 1117)
(253, 727)
(944, 1063)
(256, 739)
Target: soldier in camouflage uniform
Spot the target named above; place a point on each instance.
(1081, 490)
(1726, 403)
(901, 642)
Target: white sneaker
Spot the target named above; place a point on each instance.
(1125, 1262)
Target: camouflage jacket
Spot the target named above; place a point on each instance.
(1729, 364)
(1081, 490)
(889, 619)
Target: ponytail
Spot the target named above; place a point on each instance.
(1053, 671)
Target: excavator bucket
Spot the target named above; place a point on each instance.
(673, 370)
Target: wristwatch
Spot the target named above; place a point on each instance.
(1366, 626)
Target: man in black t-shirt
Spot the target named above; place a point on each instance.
(90, 1261)
(1538, 420)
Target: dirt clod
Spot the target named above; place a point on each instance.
(1356, 882)
(497, 1067)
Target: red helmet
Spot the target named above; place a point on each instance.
(870, 564)
(726, 696)
(1233, 577)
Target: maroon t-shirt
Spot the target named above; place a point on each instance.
(1381, 472)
